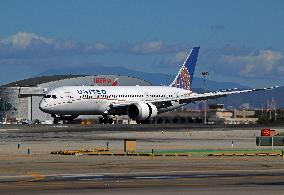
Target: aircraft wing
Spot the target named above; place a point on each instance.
(193, 97)
(218, 94)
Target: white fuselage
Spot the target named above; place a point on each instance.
(97, 100)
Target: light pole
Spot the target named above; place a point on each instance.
(204, 74)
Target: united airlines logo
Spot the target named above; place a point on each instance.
(183, 79)
(91, 92)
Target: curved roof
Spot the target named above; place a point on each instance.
(35, 81)
(32, 82)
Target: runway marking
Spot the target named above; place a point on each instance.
(4, 130)
(157, 177)
(136, 174)
(92, 179)
(37, 177)
(76, 175)
(213, 171)
(192, 185)
(61, 126)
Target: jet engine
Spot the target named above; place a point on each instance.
(142, 111)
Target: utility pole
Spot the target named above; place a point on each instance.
(204, 74)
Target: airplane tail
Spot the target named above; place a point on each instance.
(184, 77)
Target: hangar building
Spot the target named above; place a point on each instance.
(19, 100)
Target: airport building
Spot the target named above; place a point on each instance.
(19, 100)
(216, 114)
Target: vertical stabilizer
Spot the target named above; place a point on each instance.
(184, 77)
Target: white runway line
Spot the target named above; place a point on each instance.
(4, 130)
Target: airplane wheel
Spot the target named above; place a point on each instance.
(105, 120)
(110, 120)
(143, 122)
(55, 121)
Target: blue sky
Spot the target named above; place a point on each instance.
(241, 41)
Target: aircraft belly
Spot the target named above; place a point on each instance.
(82, 108)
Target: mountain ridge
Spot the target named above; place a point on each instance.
(154, 78)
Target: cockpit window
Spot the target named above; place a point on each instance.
(50, 96)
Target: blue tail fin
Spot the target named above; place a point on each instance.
(184, 77)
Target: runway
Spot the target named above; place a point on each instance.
(130, 127)
(206, 182)
(43, 173)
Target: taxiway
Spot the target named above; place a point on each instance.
(44, 173)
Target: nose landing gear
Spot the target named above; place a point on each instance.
(56, 119)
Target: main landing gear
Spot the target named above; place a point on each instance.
(143, 121)
(65, 118)
(105, 120)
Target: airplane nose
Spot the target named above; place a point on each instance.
(43, 106)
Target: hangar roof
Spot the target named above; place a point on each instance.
(36, 81)
(31, 82)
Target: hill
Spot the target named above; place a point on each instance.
(154, 78)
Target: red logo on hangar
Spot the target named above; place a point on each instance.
(103, 80)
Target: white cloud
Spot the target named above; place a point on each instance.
(264, 62)
(231, 60)
(30, 45)
(175, 60)
(97, 47)
(147, 47)
(24, 39)
(154, 47)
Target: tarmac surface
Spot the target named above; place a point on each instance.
(44, 173)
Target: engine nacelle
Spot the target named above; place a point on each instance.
(142, 111)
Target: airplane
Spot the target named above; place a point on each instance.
(140, 103)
